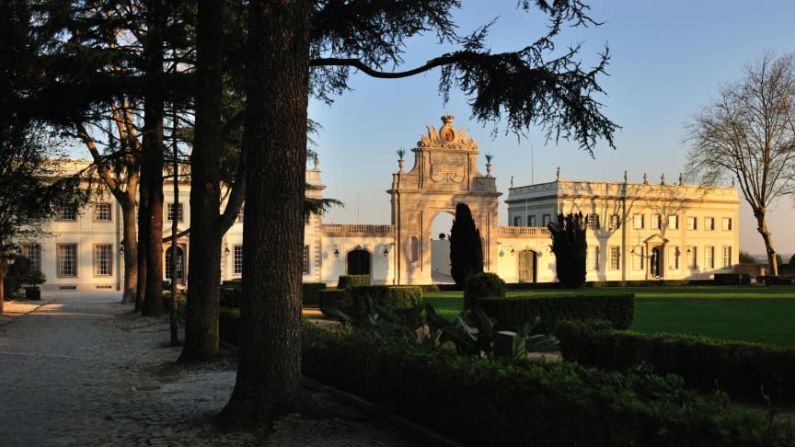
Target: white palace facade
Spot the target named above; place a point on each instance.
(636, 231)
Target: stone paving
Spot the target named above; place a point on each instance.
(80, 369)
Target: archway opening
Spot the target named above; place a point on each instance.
(359, 262)
(440, 248)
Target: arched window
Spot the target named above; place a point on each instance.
(359, 262)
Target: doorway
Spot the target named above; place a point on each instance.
(359, 262)
(527, 266)
(180, 277)
(655, 262)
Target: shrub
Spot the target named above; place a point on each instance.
(402, 297)
(182, 299)
(483, 402)
(230, 294)
(482, 285)
(732, 279)
(309, 292)
(511, 313)
(570, 248)
(346, 281)
(335, 298)
(738, 368)
(466, 248)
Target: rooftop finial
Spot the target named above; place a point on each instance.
(511, 181)
(681, 179)
(626, 176)
(557, 173)
(662, 179)
(645, 179)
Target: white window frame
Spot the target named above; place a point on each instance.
(61, 261)
(673, 222)
(709, 224)
(726, 224)
(727, 256)
(692, 223)
(103, 259)
(100, 216)
(615, 257)
(170, 211)
(709, 256)
(306, 260)
(638, 221)
(67, 213)
(656, 220)
(546, 219)
(237, 260)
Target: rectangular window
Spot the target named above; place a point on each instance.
(709, 257)
(593, 254)
(545, 219)
(517, 221)
(637, 221)
(673, 222)
(593, 221)
(673, 257)
(692, 223)
(174, 210)
(615, 221)
(638, 258)
(727, 256)
(692, 261)
(33, 253)
(531, 221)
(66, 258)
(306, 259)
(238, 261)
(726, 223)
(615, 257)
(103, 260)
(709, 223)
(102, 212)
(655, 221)
(67, 212)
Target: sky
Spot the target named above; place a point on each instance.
(668, 61)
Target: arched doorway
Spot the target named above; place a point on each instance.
(440, 248)
(180, 277)
(527, 266)
(359, 262)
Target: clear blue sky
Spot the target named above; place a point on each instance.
(668, 61)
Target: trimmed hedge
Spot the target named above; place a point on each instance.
(353, 300)
(231, 293)
(346, 281)
(229, 324)
(339, 298)
(737, 368)
(482, 285)
(309, 292)
(512, 313)
(732, 279)
(182, 300)
(482, 402)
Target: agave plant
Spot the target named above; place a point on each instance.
(401, 153)
(489, 157)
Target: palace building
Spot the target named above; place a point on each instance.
(636, 231)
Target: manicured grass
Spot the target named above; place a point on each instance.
(752, 313)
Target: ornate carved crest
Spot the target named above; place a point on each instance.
(447, 137)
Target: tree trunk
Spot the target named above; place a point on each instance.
(274, 146)
(3, 271)
(152, 158)
(201, 320)
(767, 237)
(130, 244)
(143, 239)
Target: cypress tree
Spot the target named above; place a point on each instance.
(570, 247)
(466, 250)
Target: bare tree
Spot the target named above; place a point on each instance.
(749, 134)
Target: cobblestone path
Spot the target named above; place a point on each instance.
(84, 370)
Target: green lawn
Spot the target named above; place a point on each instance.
(753, 313)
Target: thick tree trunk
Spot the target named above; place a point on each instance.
(767, 237)
(152, 158)
(201, 320)
(143, 239)
(130, 245)
(274, 145)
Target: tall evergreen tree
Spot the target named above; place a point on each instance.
(570, 249)
(466, 247)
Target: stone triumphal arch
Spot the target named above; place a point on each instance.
(445, 172)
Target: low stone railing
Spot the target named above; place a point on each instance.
(357, 230)
(522, 232)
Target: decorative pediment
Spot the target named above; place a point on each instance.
(447, 137)
(656, 238)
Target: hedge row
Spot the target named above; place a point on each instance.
(346, 281)
(512, 313)
(356, 300)
(231, 293)
(482, 402)
(738, 368)
(633, 283)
